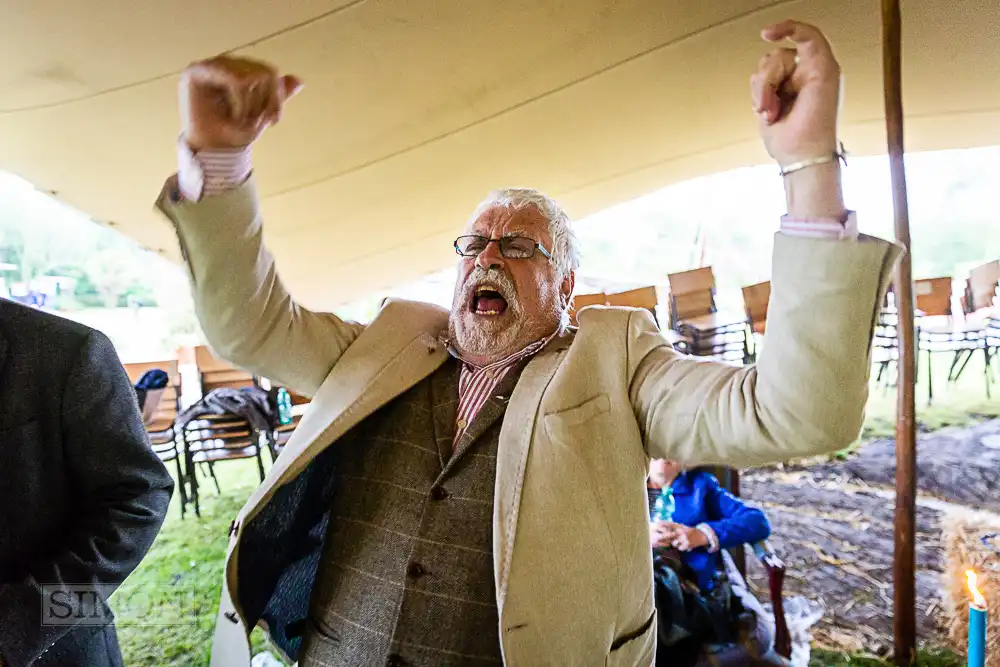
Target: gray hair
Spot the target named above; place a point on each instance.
(565, 253)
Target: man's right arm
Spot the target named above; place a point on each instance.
(246, 313)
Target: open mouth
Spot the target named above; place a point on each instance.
(488, 302)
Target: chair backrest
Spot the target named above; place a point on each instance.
(692, 294)
(691, 305)
(231, 436)
(216, 373)
(581, 301)
(641, 297)
(982, 286)
(166, 410)
(755, 301)
(695, 280)
(933, 296)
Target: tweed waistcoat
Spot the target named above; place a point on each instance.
(406, 576)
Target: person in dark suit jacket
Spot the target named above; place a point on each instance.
(82, 494)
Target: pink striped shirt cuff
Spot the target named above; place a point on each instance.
(821, 229)
(211, 172)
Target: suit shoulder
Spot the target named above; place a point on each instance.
(414, 313)
(604, 316)
(609, 318)
(20, 322)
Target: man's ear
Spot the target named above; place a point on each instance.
(566, 289)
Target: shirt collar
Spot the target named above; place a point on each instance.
(509, 360)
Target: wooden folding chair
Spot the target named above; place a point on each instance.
(692, 294)
(938, 331)
(885, 346)
(160, 420)
(982, 287)
(209, 439)
(280, 436)
(216, 373)
(756, 299)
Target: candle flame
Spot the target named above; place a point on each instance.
(978, 599)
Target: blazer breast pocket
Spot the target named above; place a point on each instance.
(579, 414)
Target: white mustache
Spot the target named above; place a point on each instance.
(494, 278)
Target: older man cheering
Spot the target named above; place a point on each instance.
(427, 510)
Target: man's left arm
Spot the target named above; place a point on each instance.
(807, 393)
(123, 492)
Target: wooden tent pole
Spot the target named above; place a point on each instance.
(904, 557)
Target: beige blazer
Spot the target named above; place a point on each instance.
(570, 541)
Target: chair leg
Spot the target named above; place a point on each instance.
(180, 483)
(272, 447)
(986, 370)
(966, 356)
(260, 458)
(192, 475)
(930, 379)
(211, 471)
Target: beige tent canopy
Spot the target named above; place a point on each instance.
(413, 110)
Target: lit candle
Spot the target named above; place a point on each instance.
(977, 623)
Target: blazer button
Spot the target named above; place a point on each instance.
(395, 661)
(439, 493)
(415, 570)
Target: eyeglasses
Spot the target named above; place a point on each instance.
(511, 247)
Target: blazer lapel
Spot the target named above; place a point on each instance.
(355, 389)
(444, 408)
(512, 456)
(492, 410)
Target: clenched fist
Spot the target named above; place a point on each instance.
(796, 94)
(228, 102)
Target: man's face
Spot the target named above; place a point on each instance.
(502, 305)
(662, 472)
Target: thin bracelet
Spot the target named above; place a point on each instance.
(803, 164)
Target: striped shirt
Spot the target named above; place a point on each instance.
(212, 172)
(475, 384)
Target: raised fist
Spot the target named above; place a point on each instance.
(796, 94)
(228, 102)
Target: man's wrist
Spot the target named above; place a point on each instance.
(210, 172)
(815, 193)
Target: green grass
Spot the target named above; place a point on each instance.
(962, 403)
(183, 570)
(182, 576)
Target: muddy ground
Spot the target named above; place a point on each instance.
(833, 525)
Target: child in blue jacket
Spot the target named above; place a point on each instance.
(706, 518)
